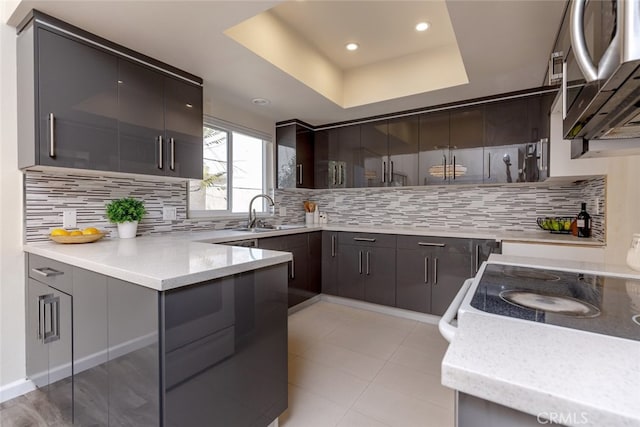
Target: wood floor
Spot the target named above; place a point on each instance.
(30, 410)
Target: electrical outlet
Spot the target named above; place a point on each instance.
(169, 213)
(282, 211)
(69, 219)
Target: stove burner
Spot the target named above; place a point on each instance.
(563, 305)
(636, 319)
(532, 275)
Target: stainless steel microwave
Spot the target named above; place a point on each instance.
(601, 72)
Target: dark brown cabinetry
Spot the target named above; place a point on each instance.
(338, 160)
(466, 142)
(330, 262)
(434, 148)
(304, 268)
(99, 109)
(295, 156)
(366, 267)
(430, 272)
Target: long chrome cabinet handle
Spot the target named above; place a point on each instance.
(172, 158)
(333, 245)
(489, 164)
(335, 175)
(368, 263)
(435, 271)
(444, 167)
(440, 245)
(384, 171)
(564, 90)
(391, 172)
(300, 174)
(41, 299)
(360, 262)
(477, 257)
(47, 271)
(341, 174)
(426, 269)
(293, 268)
(160, 156)
(363, 239)
(52, 135)
(54, 318)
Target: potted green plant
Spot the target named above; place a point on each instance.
(126, 213)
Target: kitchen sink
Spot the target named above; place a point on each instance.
(266, 229)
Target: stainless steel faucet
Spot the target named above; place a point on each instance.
(252, 218)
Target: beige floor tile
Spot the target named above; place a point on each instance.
(362, 366)
(426, 338)
(356, 419)
(330, 383)
(398, 410)
(425, 362)
(305, 332)
(307, 409)
(412, 383)
(375, 341)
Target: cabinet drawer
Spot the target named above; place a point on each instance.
(53, 273)
(449, 243)
(367, 239)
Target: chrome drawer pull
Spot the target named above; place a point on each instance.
(47, 271)
(440, 245)
(363, 239)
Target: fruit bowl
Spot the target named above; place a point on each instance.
(558, 224)
(84, 238)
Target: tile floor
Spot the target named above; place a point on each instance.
(350, 367)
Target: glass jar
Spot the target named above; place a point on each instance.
(633, 254)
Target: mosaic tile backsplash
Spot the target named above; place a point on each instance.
(500, 208)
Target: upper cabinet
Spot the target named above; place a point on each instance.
(295, 156)
(87, 103)
(466, 141)
(75, 118)
(404, 138)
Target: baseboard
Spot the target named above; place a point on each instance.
(304, 304)
(15, 389)
(383, 309)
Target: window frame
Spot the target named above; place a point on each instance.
(268, 163)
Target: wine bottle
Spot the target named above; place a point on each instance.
(584, 222)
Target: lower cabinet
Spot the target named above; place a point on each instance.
(305, 267)
(430, 272)
(329, 263)
(366, 267)
(214, 351)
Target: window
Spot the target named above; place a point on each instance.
(237, 166)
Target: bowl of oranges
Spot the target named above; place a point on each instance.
(87, 235)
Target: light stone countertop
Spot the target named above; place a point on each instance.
(160, 262)
(176, 259)
(542, 369)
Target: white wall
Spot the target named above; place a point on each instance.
(12, 288)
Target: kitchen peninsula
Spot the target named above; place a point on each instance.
(158, 331)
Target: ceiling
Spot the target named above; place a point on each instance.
(504, 46)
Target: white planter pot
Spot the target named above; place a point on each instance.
(127, 230)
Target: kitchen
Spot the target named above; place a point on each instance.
(621, 174)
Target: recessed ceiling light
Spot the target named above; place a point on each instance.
(422, 26)
(261, 101)
(352, 46)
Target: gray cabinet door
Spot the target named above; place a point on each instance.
(374, 152)
(90, 351)
(141, 119)
(295, 157)
(77, 89)
(345, 150)
(350, 272)
(299, 275)
(466, 157)
(380, 275)
(449, 271)
(183, 126)
(433, 155)
(482, 249)
(314, 278)
(49, 345)
(329, 263)
(413, 283)
(404, 138)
